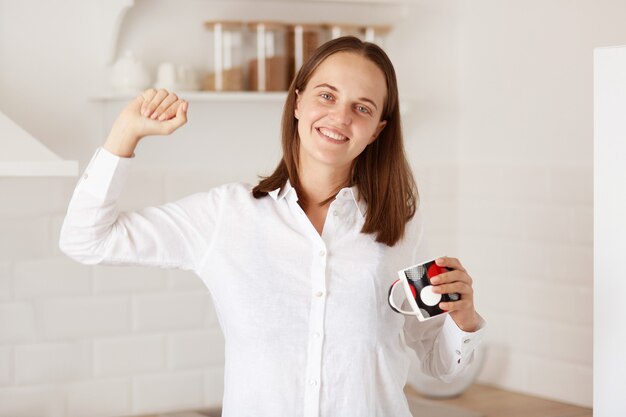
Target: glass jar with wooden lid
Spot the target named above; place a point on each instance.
(228, 60)
(268, 70)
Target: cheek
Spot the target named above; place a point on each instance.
(311, 111)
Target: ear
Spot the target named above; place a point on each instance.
(379, 129)
(296, 112)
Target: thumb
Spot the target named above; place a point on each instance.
(135, 105)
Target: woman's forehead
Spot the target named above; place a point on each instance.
(353, 73)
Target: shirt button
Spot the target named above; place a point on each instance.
(466, 341)
(319, 293)
(85, 176)
(312, 382)
(458, 352)
(322, 253)
(317, 334)
(335, 213)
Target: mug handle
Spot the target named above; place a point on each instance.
(392, 303)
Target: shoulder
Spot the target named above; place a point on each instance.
(233, 189)
(230, 193)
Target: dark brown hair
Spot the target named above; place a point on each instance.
(381, 171)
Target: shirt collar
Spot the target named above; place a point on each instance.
(280, 193)
(347, 193)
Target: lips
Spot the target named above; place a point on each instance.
(332, 132)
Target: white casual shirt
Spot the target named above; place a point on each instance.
(306, 322)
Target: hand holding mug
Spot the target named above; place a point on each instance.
(436, 287)
(457, 280)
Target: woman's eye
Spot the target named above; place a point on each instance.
(363, 109)
(324, 95)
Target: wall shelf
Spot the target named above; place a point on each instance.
(208, 96)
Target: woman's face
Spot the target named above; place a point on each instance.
(339, 111)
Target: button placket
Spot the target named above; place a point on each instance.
(316, 326)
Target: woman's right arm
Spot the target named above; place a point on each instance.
(174, 235)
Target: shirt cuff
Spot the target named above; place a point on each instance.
(105, 175)
(460, 342)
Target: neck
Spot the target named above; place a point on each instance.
(316, 186)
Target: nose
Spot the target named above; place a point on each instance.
(342, 114)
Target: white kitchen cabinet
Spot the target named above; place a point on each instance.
(609, 231)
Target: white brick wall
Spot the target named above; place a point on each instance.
(129, 355)
(530, 254)
(53, 362)
(526, 186)
(124, 280)
(172, 391)
(17, 322)
(45, 278)
(99, 398)
(6, 365)
(5, 281)
(98, 341)
(65, 318)
(178, 310)
(32, 401)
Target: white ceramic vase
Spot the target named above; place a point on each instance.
(129, 75)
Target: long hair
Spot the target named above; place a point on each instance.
(381, 172)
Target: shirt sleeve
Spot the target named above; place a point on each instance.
(443, 349)
(173, 235)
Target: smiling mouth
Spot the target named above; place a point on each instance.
(334, 137)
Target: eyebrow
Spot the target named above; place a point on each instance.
(360, 98)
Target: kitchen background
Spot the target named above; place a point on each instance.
(497, 100)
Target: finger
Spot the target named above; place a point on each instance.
(448, 262)
(154, 103)
(452, 276)
(165, 104)
(180, 119)
(171, 110)
(147, 95)
(456, 287)
(455, 305)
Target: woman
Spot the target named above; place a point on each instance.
(299, 265)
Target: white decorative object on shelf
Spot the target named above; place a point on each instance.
(174, 77)
(129, 75)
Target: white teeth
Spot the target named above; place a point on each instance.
(332, 135)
